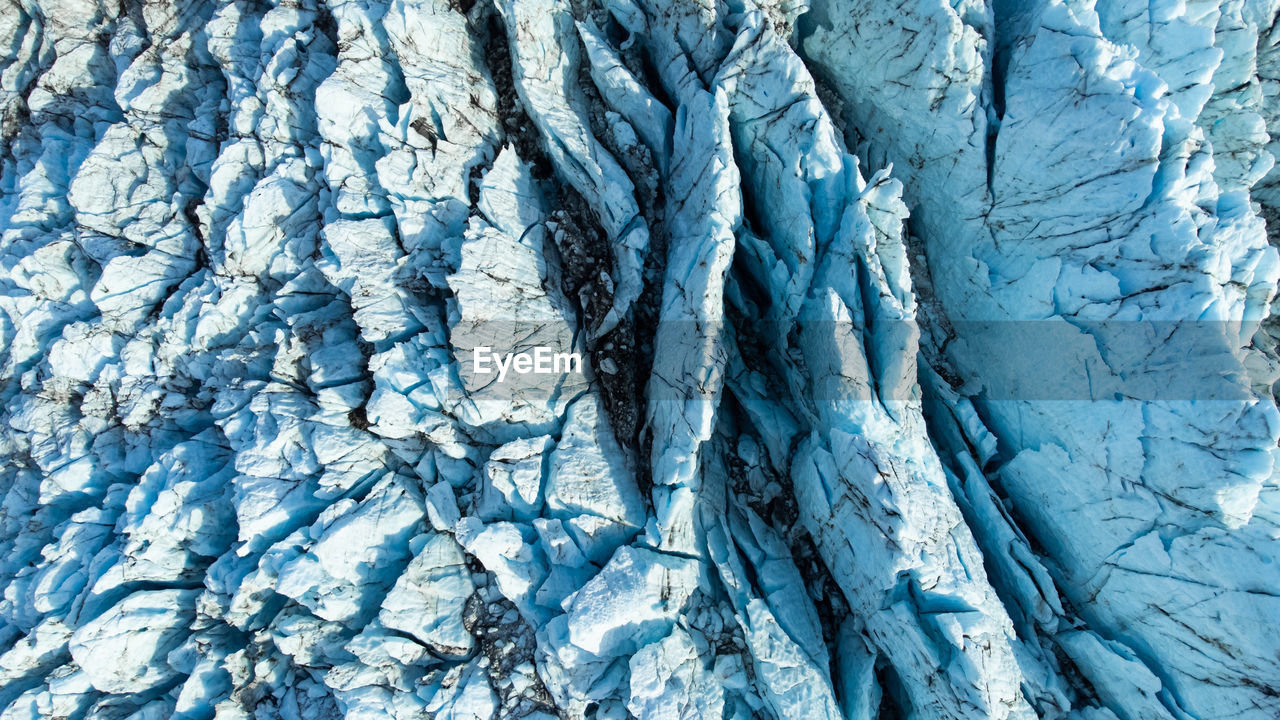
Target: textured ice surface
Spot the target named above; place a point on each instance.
(927, 359)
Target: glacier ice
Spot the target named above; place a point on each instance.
(926, 359)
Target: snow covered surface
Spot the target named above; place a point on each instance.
(927, 359)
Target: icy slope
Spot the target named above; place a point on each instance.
(908, 361)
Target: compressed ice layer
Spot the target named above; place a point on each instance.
(805, 466)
